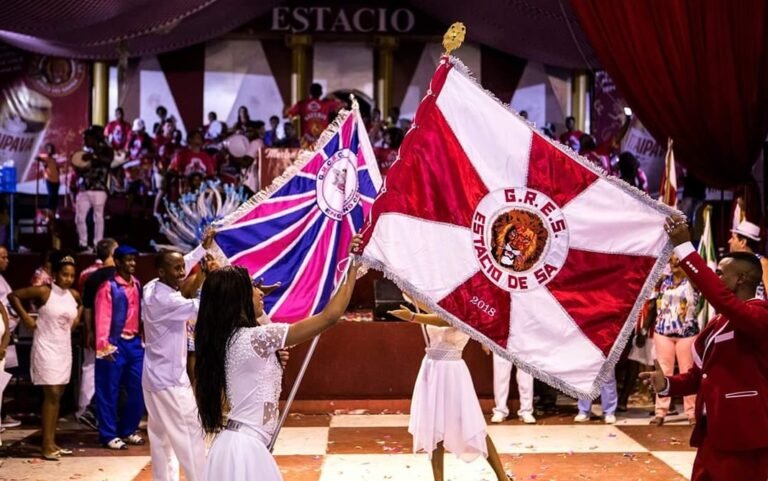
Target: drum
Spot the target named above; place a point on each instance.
(120, 157)
(237, 145)
(78, 160)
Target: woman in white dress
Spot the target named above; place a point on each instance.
(5, 339)
(51, 358)
(445, 411)
(237, 366)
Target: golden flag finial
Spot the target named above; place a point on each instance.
(454, 37)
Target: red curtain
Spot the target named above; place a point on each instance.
(692, 70)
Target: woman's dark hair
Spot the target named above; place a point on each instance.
(396, 136)
(194, 133)
(226, 305)
(587, 143)
(751, 243)
(628, 165)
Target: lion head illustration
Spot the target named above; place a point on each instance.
(518, 240)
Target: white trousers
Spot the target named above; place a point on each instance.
(175, 434)
(87, 381)
(502, 372)
(86, 200)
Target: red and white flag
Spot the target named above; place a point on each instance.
(668, 189)
(515, 239)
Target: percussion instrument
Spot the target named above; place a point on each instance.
(237, 145)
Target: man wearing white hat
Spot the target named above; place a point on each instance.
(746, 238)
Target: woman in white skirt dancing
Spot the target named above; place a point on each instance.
(237, 366)
(51, 358)
(445, 411)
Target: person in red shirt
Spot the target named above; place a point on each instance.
(387, 153)
(313, 114)
(165, 135)
(193, 159)
(571, 136)
(116, 131)
(139, 143)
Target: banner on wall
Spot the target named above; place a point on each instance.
(274, 161)
(607, 120)
(42, 100)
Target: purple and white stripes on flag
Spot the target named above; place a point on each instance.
(298, 229)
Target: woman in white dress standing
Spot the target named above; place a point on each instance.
(51, 358)
(445, 411)
(237, 366)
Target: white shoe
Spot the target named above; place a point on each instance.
(498, 418)
(116, 444)
(610, 419)
(134, 439)
(528, 418)
(581, 418)
(9, 422)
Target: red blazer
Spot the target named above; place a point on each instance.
(730, 372)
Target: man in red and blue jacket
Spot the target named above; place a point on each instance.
(119, 353)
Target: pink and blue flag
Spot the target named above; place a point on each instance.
(297, 231)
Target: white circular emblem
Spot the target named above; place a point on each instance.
(520, 238)
(337, 191)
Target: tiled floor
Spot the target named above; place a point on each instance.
(355, 447)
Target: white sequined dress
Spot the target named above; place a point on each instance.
(445, 405)
(254, 376)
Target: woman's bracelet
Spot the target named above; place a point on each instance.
(413, 317)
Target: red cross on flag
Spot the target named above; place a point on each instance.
(513, 238)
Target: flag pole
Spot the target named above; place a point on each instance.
(294, 390)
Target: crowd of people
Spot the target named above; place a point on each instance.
(139, 345)
(123, 378)
(152, 166)
(195, 339)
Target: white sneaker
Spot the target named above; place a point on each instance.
(9, 422)
(528, 418)
(610, 419)
(581, 418)
(134, 439)
(498, 418)
(116, 444)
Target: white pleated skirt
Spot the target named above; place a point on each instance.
(236, 456)
(445, 408)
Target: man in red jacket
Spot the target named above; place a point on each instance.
(730, 372)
